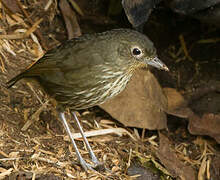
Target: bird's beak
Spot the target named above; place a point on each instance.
(155, 62)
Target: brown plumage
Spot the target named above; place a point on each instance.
(88, 70)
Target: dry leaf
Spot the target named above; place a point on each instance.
(208, 124)
(69, 17)
(177, 105)
(167, 156)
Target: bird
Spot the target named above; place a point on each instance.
(88, 70)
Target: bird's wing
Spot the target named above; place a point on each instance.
(74, 55)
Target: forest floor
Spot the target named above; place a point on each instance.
(33, 143)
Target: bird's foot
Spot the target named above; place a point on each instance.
(86, 166)
(97, 166)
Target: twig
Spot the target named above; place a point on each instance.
(38, 33)
(48, 5)
(6, 173)
(22, 35)
(32, 89)
(183, 44)
(34, 117)
(2, 66)
(76, 7)
(99, 132)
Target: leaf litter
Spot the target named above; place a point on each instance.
(34, 148)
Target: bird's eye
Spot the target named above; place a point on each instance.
(136, 51)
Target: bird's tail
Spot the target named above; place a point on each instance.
(14, 80)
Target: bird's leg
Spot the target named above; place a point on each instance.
(83, 163)
(91, 153)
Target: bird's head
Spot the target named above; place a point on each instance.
(139, 51)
